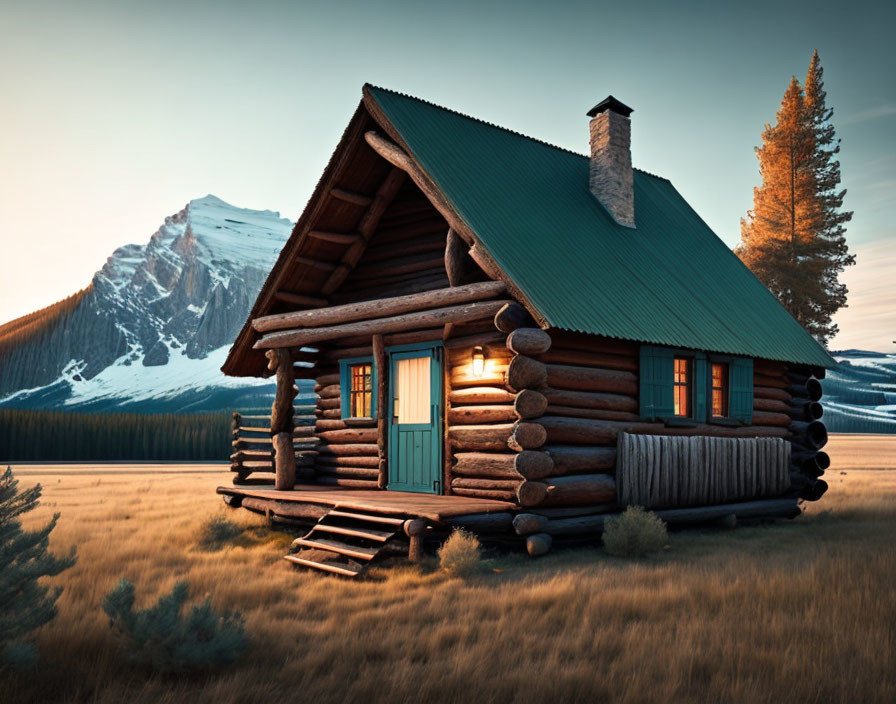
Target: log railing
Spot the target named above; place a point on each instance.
(253, 449)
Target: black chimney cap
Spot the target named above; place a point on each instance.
(610, 103)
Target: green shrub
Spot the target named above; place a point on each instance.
(26, 603)
(163, 639)
(634, 533)
(217, 531)
(459, 555)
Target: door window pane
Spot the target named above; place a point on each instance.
(412, 404)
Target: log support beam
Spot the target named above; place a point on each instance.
(415, 529)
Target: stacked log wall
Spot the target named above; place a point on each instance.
(793, 393)
(591, 386)
(347, 453)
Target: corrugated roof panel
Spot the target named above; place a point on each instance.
(671, 281)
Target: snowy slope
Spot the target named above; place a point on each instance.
(860, 393)
(153, 328)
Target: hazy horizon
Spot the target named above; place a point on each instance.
(118, 114)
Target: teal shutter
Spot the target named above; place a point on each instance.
(656, 371)
(740, 401)
(701, 378)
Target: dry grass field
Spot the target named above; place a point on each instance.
(801, 611)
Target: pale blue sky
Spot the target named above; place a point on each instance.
(116, 114)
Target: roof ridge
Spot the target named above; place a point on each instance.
(494, 125)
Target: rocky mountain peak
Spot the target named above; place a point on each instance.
(186, 292)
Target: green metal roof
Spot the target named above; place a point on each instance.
(671, 281)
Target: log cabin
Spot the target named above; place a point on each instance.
(511, 337)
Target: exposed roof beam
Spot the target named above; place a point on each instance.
(351, 197)
(399, 158)
(384, 195)
(314, 263)
(299, 299)
(337, 237)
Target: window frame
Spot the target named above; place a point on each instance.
(729, 420)
(725, 388)
(653, 385)
(345, 390)
(688, 385)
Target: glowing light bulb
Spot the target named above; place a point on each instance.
(478, 361)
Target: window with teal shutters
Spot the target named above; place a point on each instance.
(656, 372)
(351, 371)
(740, 400)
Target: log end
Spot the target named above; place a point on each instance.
(538, 544)
(531, 493)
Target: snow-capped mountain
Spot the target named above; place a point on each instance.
(152, 329)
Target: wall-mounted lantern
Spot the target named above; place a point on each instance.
(478, 361)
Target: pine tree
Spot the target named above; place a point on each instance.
(24, 559)
(794, 237)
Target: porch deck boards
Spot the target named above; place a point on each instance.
(429, 506)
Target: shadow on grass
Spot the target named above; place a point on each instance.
(218, 532)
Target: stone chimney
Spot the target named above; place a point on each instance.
(611, 159)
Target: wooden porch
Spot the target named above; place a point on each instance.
(351, 528)
(439, 510)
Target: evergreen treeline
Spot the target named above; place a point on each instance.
(65, 436)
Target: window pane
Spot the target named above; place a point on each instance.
(681, 386)
(412, 403)
(720, 390)
(361, 390)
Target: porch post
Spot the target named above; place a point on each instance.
(382, 408)
(280, 361)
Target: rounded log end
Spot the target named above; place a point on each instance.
(532, 464)
(528, 341)
(531, 493)
(527, 436)
(525, 373)
(528, 523)
(815, 490)
(814, 410)
(817, 434)
(813, 387)
(414, 527)
(512, 316)
(823, 460)
(530, 404)
(538, 544)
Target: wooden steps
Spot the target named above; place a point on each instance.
(345, 542)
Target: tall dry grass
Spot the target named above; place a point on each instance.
(797, 612)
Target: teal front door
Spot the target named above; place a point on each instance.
(415, 412)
